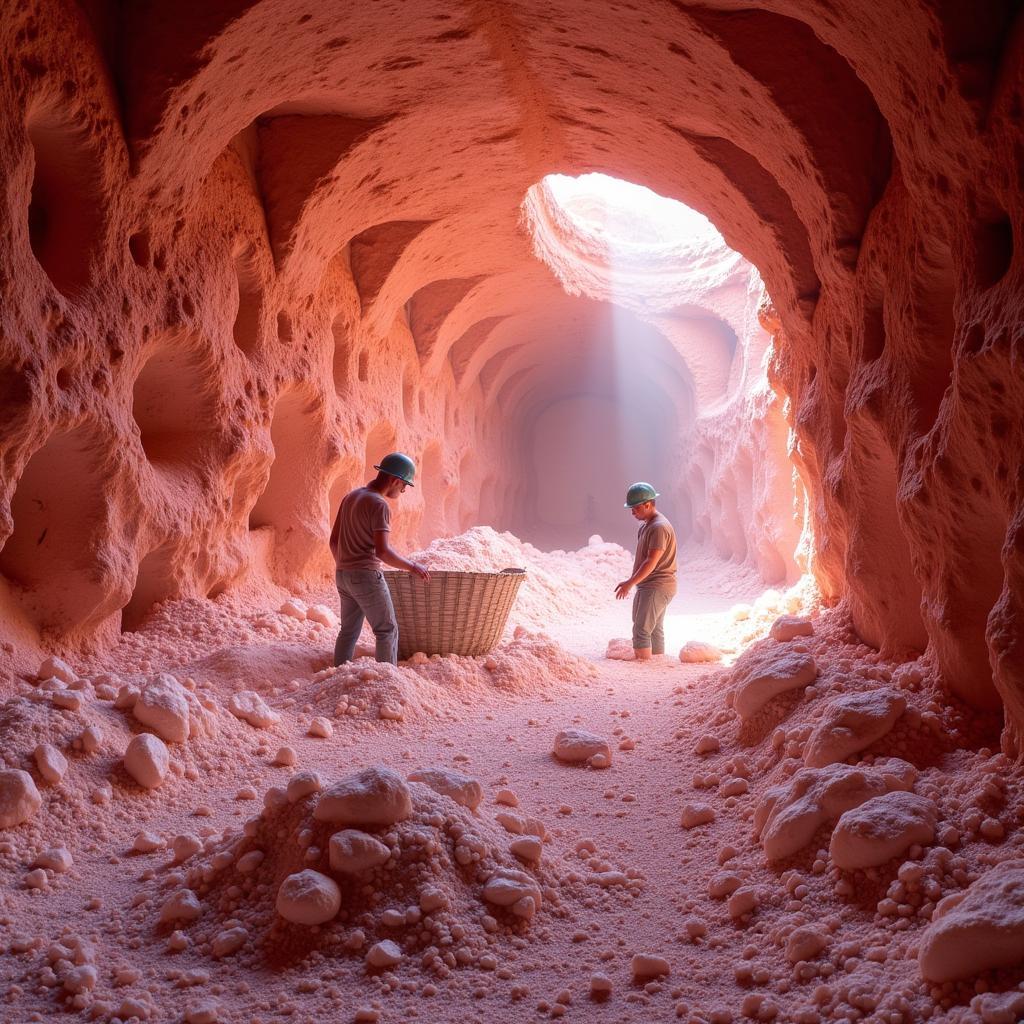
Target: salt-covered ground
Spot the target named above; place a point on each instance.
(800, 832)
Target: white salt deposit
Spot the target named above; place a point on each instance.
(695, 652)
(789, 627)
(250, 707)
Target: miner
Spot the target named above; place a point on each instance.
(359, 543)
(654, 572)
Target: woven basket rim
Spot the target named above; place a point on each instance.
(511, 571)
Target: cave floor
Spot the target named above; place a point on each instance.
(619, 873)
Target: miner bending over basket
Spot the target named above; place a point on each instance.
(654, 572)
(359, 543)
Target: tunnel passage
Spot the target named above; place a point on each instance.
(358, 198)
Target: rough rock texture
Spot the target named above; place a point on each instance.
(978, 929)
(764, 673)
(246, 252)
(882, 828)
(788, 815)
(851, 723)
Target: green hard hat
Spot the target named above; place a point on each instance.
(399, 465)
(638, 494)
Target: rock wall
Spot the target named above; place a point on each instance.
(245, 247)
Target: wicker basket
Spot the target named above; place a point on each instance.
(454, 612)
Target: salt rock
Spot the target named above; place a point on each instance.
(645, 966)
(294, 609)
(322, 614)
(980, 929)
(374, 796)
(171, 711)
(384, 954)
(184, 905)
(465, 791)
(789, 627)
(708, 745)
(146, 760)
(999, 1008)
(228, 941)
(851, 723)
(56, 668)
(302, 784)
(285, 756)
(788, 815)
(36, 879)
(19, 798)
(507, 887)
(250, 861)
(250, 707)
(620, 649)
(184, 846)
(697, 651)
(147, 842)
(206, 1011)
(52, 764)
(351, 851)
(320, 727)
(806, 942)
(308, 897)
(576, 745)
(697, 814)
(57, 859)
(528, 848)
(882, 828)
(742, 901)
(764, 673)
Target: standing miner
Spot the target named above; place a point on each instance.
(359, 543)
(654, 572)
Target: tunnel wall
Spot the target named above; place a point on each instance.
(313, 214)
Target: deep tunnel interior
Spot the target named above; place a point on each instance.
(250, 247)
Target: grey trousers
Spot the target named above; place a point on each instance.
(649, 618)
(364, 594)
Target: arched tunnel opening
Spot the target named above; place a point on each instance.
(477, 741)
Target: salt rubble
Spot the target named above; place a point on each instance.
(979, 929)
(698, 651)
(146, 760)
(465, 791)
(575, 746)
(789, 814)
(852, 723)
(19, 798)
(764, 672)
(882, 828)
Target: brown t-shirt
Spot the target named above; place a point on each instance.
(362, 513)
(657, 533)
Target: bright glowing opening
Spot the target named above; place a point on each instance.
(625, 214)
